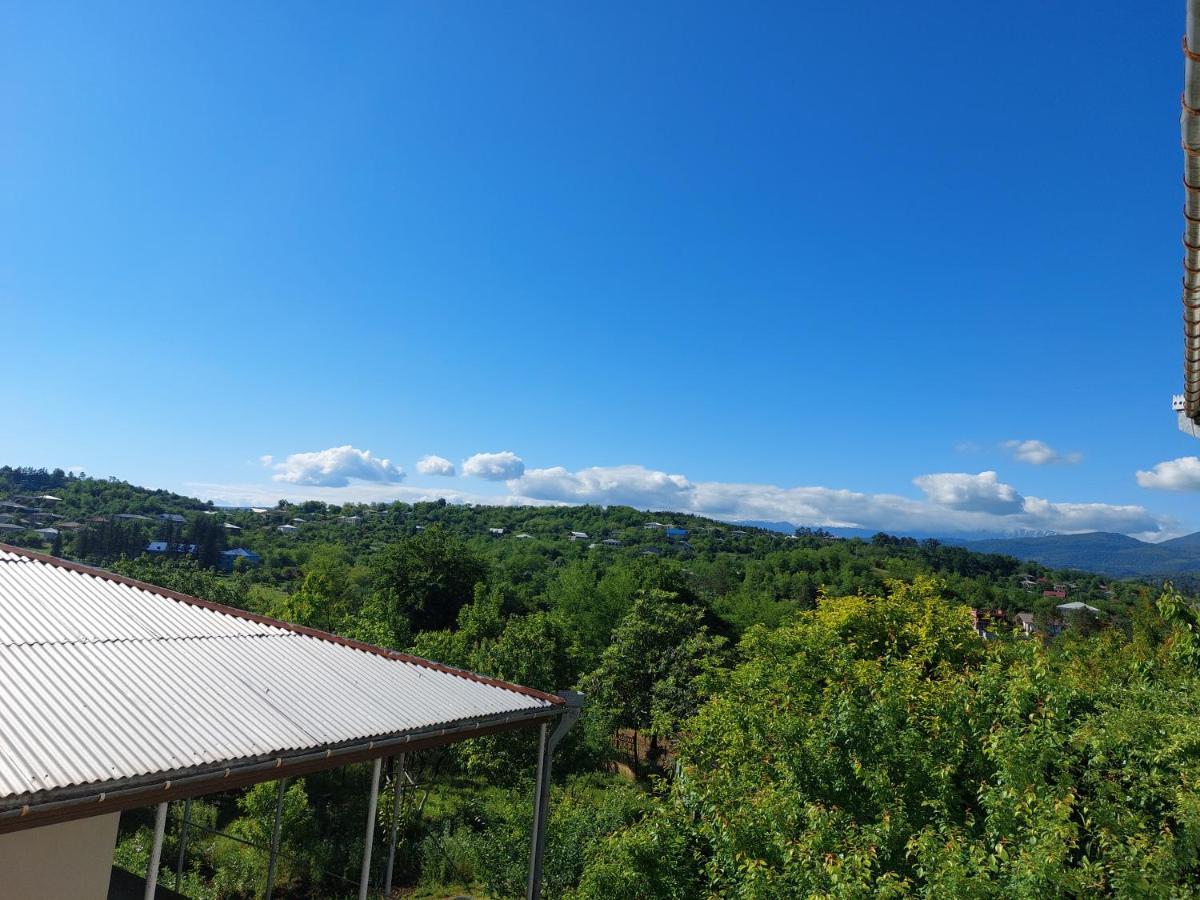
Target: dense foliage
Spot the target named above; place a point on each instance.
(768, 715)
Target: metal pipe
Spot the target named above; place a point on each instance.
(397, 793)
(274, 858)
(541, 810)
(533, 888)
(160, 826)
(183, 842)
(365, 878)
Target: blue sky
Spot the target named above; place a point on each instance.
(812, 261)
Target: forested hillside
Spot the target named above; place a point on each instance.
(768, 715)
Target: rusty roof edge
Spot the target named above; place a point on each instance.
(278, 623)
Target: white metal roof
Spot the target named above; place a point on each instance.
(105, 680)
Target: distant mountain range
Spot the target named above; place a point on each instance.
(1100, 551)
(1103, 552)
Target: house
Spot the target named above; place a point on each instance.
(50, 498)
(350, 520)
(524, 537)
(49, 535)
(229, 558)
(677, 532)
(739, 532)
(298, 520)
(496, 532)
(287, 529)
(164, 547)
(10, 526)
(194, 698)
(611, 542)
(987, 622)
(1025, 621)
(173, 518)
(579, 535)
(651, 551)
(1057, 595)
(132, 517)
(1077, 607)
(654, 525)
(229, 526)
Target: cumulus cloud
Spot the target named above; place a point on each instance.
(435, 465)
(978, 493)
(502, 466)
(626, 485)
(335, 467)
(1182, 474)
(1037, 453)
(954, 503)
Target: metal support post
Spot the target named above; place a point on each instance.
(160, 825)
(541, 799)
(398, 776)
(365, 878)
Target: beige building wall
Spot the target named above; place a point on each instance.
(56, 862)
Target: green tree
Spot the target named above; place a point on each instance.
(424, 580)
(648, 677)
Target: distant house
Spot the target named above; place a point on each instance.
(611, 542)
(677, 532)
(651, 551)
(739, 532)
(524, 537)
(1077, 607)
(288, 529)
(229, 526)
(654, 525)
(350, 520)
(1025, 620)
(164, 547)
(229, 558)
(69, 526)
(50, 498)
(984, 621)
(579, 535)
(6, 517)
(298, 520)
(49, 535)
(9, 526)
(1057, 595)
(496, 532)
(132, 517)
(173, 518)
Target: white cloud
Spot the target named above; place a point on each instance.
(435, 465)
(626, 485)
(976, 493)
(266, 459)
(955, 503)
(335, 467)
(952, 503)
(1182, 474)
(1037, 453)
(502, 466)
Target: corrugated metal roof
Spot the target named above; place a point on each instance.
(106, 680)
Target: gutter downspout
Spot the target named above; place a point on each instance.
(1189, 127)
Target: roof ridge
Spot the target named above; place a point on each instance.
(105, 575)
